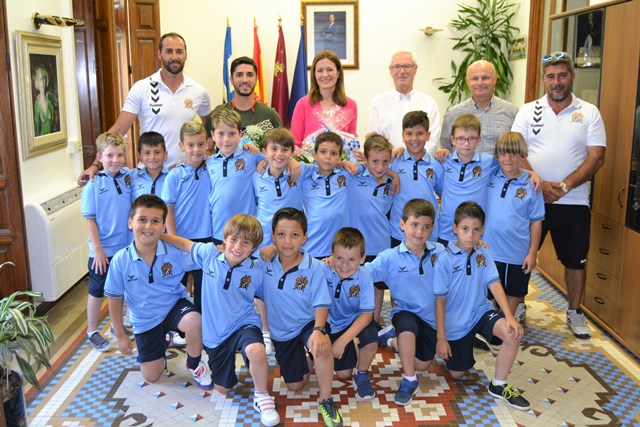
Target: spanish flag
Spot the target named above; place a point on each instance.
(260, 91)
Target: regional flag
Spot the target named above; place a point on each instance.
(280, 93)
(260, 91)
(300, 85)
(227, 93)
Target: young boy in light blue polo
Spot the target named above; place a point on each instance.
(105, 205)
(147, 275)
(152, 152)
(229, 322)
(463, 276)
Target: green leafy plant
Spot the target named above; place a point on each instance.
(23, 333)
(487, 35)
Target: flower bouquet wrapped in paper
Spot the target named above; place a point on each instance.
(335, 120)
(253, 135)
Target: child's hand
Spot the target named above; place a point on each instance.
(443, 350)
(261, 166)
(514, 329)
(482, 244)
(251, 148)
(338, 348)
(529, 263)
(100, 262)
(441, 154)
(395, 184)
(294, 169)
(536, 181)
(358, 155)
(328, 261)
(267, 253)
(319, 343)
(397, 152)
(350, 167)
(125, 345)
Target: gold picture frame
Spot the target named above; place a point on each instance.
(41, 93)
(332, 25)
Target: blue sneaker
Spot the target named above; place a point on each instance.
(364, 389)
(405, 392)
(385, 334)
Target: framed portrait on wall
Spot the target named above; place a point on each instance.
(332, 25)
(41, 93)
(588, 39)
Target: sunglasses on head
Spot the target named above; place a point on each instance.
(556, 56)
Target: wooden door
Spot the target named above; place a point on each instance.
(144, 33)
(13, 250)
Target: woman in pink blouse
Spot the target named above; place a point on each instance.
(326, 106)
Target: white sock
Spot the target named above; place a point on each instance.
(498, 382)
(413, 378)
(257, 393)
(91, 333)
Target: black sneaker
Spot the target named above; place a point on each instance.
(330, 413)
(510, 394)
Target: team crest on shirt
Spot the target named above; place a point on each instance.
(127, 180)
(245, 282)
(188, 103)
(429, 173)
(577, 117)
(433, 259)
(291, 183)
(387, 190)
(167, 269)
(481, 261)
(521, 193)
(477, 172)
(342, 181)
(240, 165)
(301, 283)
(354, 291)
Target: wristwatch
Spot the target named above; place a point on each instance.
(564, 187)
(322, 329)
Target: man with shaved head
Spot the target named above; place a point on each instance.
(496, 115)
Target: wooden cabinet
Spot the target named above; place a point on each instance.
(612, 292)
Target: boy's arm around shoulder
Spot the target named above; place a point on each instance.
(181, 243)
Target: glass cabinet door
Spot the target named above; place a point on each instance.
(633, 204)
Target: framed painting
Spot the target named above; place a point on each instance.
(588, 39)
(41, 93)
(332, 25)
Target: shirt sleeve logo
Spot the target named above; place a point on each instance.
(245, 282)
(481, 261)
(188, 103)
(240, 165)
(354, 291)
(167, 269)
(521, 193)
(301, 283)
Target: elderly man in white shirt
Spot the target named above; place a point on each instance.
(387, 109)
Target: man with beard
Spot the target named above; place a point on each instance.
(566, 140)
(166, 99)
(244, 76)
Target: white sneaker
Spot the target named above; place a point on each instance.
(202, 376)
(177, 340)
(125, 315)
(268, 345)
(266, 407)
(578, 324)
(521, 313)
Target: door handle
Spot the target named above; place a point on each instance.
(620, 197)
(9, 263)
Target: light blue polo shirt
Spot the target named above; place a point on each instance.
(231, 187)
(150, 291)
(409, 278)
(463, 182)
(144, 184)
(187, 190)
(273, 193)
(227, 293)
(369, 204)
(419, 179)
(325, 200)
(350, 298)
(464, 280)
(107, 199)
(292, 297)
(511, 206)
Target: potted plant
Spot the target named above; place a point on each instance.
(22, 333)
(487, 35)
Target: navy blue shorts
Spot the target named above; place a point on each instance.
(570, 228)
(152, 344)
(350, 357)
(222, 359)
(97, 281)
(513, 278)
(462, 349)
(291, 355)
(405, 321)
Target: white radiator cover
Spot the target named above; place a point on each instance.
(57, 241)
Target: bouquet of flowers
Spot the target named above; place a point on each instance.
(253, 135)
(304, 153)
(333, 120)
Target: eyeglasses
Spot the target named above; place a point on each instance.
(406, 67)
(471, 140)
(556, 56)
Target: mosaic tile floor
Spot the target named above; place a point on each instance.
(569, 382)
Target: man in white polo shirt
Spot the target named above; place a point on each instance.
(566, 140)
(387, 109)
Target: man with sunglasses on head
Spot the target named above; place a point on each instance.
(496, 115)
(387, 109)
(566, 140)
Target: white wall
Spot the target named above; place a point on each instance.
(384, 28)
(51, 173)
